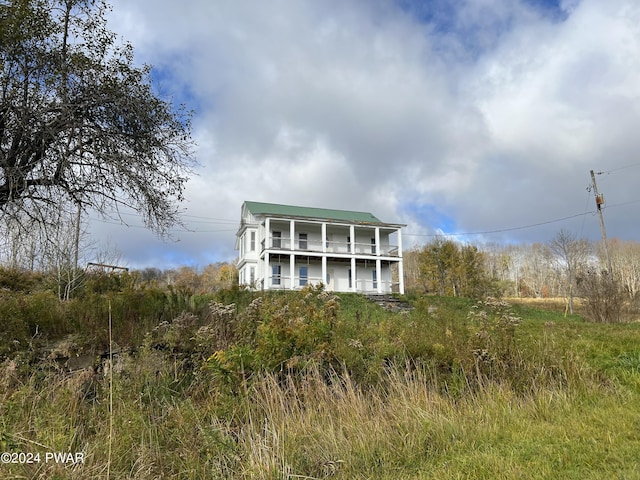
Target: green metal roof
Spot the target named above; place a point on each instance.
(259, 208)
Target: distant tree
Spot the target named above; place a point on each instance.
(411, 267)
(217, 276)
(227, 275)
(437, 264)
(536, 275)
(151, 274)
(625, 260)
(79, 119)
(571, 256)
(449, 268)
(187, 278)
(501, 264)
(473, 280)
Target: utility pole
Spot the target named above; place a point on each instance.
(599, 203)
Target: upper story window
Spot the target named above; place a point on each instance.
(252, 242)
(277, 240)
(373, 246)
(302, 241)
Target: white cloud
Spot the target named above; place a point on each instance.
(492, 118)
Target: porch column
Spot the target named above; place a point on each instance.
(323, 240)
(292, 234)
(324, 270)
(267, 234)
(352, 236)
(377, 237)
(400, 264)
(378, 272)
(266, 275)
(292, 270)
(354, 283)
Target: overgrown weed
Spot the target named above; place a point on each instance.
(308, 384)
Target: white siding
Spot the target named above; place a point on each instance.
(335, 248)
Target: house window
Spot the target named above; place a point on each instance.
(276, 271)
(252, 275)
(373, 246)
(304, 276)
(252, 245)
(242, 245)
(302, 241)
(277, 240)
(374, 276)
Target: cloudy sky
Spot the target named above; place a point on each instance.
(452, 117)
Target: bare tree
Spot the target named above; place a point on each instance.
(78, 119)
(625, 259)
(571, 255)
(535, 273)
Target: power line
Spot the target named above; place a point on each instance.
(619, 168)
(214, 221)
(142, 227)
(221, 221)
(522, 227)
(501, 230)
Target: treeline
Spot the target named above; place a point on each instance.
(565, 266)
(211, 278)
(64, 256)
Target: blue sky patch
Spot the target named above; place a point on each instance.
(431, 216)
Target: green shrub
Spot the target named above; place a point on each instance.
(18, 280)
(30, 317)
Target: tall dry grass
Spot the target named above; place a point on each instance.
(315, 424)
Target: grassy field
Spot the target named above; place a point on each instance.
(307, 385)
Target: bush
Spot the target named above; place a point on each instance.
(603, 296)
(278, 332)
(17, 280)
(28, 318)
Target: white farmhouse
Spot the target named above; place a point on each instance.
(288, 247)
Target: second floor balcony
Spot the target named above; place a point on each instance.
(285, 243)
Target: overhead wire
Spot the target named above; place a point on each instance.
(607, 172)
(221, 221)
(501, 230)
(522, 227)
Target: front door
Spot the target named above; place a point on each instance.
(329, 280)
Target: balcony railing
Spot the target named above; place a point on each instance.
(316, 246)
(283, 282)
